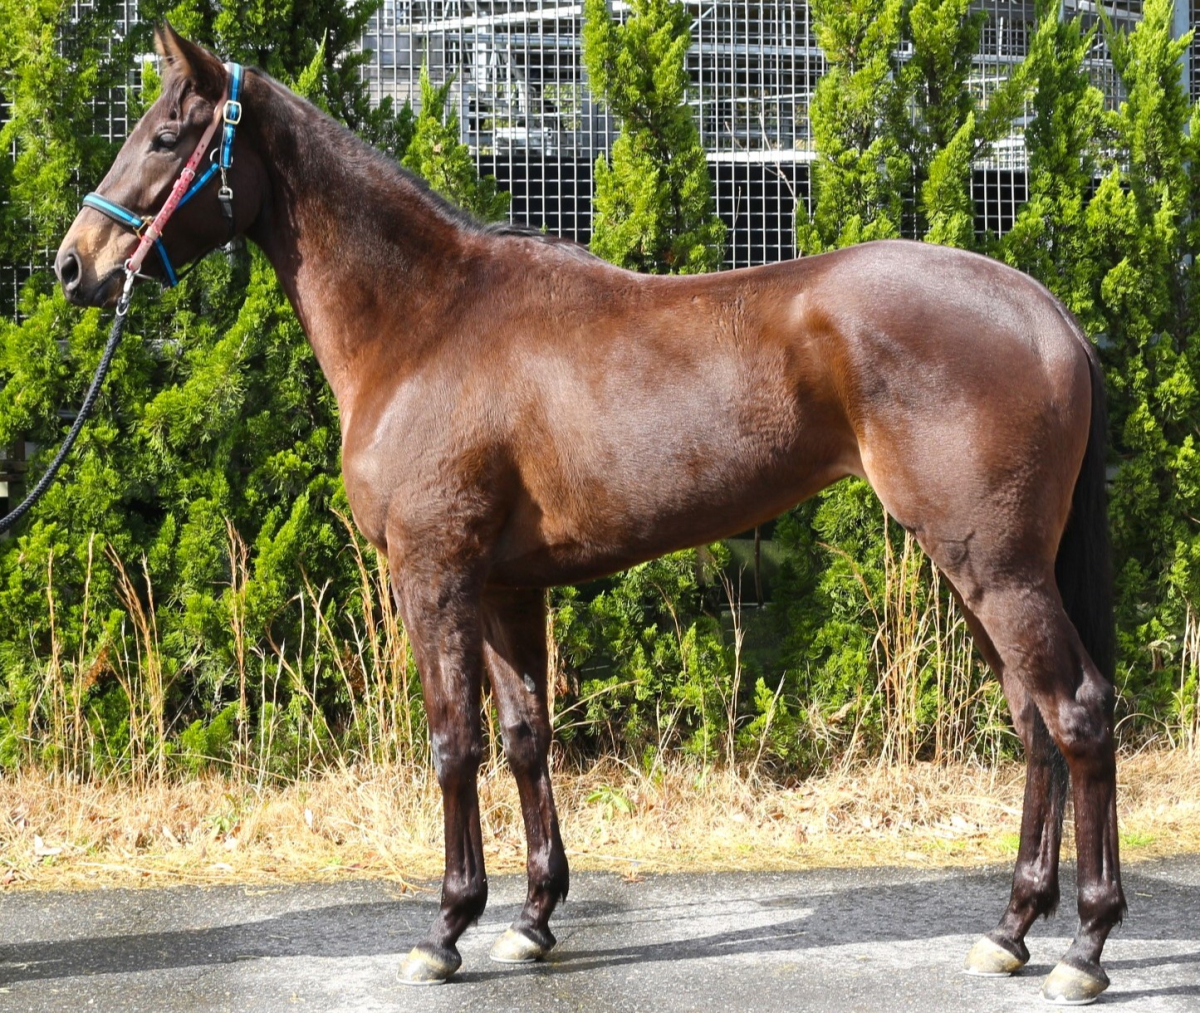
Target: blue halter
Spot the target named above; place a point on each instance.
(222, 159)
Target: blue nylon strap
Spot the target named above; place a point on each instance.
(114, 211)
(197, 186)
(132, 221)
(232, 114)
(172, 281)
(127, 218)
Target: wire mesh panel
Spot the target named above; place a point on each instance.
(1000, 182)
(1193, 56)
(518, 87)
(525, 108)
(109, 114)
(1124, 15)
(753, 70)
(521, 93)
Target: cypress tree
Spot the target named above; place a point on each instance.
(1142, 242)
(663, 660)
(897, 137)
(652, 209)
(860, 172)
(437, 154)
(215, 410)
(936, 121)
(1049, 238)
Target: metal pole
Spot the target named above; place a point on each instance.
(1182, 25)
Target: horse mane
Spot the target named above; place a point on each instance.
(352, 151)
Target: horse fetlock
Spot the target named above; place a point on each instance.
(1100, 911)
(464, 900)
(558, 881)
(547, 888)
(1035, 895)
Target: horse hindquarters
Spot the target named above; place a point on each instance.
(989, 512)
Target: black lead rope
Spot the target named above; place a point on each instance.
(114, 339)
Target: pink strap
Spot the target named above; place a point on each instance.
(155, 228)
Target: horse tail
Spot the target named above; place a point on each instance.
(1083, 567)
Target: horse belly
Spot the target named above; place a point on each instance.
(667, 482)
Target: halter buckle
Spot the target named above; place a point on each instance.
(232, 113)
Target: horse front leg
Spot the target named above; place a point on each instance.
(516, 661)
(441, 614)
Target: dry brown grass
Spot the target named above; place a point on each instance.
(387, 822)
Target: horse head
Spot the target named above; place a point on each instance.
(91, 259)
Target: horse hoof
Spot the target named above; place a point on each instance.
(421, 967)
(517, 948)
(989, 959)
(1071, 986)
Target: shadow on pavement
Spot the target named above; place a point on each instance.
(860, 914)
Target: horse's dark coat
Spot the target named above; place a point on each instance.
(517, 414)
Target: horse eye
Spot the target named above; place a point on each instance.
(167, 139)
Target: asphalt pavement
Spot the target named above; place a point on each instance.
(831, 940)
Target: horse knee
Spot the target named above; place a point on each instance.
(525, 745)
(455, 757)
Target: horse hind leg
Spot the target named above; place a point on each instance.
(1035, 890)
(516, 661)
(1039, 650)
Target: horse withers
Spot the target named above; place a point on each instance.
(517, 414)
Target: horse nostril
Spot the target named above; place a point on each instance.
(69, 270)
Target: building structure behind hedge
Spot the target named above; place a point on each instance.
(525, 108)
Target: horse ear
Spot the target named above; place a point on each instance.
(186, 59)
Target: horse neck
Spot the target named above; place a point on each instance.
(363, 253)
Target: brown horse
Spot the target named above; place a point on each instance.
(518, 414)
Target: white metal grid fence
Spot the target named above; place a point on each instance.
(529, 117)
(109, 115)
(1193, 21)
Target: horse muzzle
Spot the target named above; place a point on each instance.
(77, 287)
